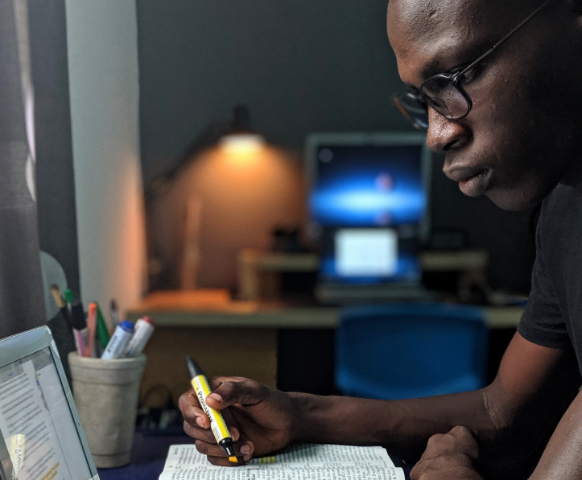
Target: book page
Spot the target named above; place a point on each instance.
(303, 461)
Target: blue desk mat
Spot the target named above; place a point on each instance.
(148, 457)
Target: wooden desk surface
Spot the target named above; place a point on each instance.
(214, 308)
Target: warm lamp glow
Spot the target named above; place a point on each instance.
(241, 143)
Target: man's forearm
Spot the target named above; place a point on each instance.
(402, 426)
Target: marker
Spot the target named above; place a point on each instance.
(119, 340)
(217, 423)
(144, 328)
(76, 310)
(80, 342)
(91, 328)
(102, 329)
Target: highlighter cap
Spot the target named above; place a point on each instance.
(69, 296)
(147, 320)
(193, 367)
(127, 326)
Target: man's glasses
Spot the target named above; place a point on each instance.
(444, 92)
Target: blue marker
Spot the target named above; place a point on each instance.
(119, 340)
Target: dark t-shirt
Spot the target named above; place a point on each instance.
(553, 316)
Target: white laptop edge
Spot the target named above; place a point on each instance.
(18, 346)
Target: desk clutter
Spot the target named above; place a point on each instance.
(103, 361)
(96, 335)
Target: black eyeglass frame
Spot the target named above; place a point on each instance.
(454, 79)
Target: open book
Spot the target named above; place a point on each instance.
(298, 462)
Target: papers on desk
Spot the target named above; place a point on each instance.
(298, 462)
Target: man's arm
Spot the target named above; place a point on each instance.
(532, 389)
(510, 418)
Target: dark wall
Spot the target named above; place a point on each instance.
(301, 66)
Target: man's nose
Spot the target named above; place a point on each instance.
(444, 134)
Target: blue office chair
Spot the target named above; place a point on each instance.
(410, 350)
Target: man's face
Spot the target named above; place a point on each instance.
(524, 129)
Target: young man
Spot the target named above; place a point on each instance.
(497, 85)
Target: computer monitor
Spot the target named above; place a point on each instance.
(368, 202)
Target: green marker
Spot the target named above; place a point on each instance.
(102, 332)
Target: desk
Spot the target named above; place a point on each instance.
(215, 309)
(148, 457)
(233, 337)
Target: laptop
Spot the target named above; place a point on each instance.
(41, 437)
(368, 201)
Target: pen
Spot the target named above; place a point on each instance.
(217, 424)
(115, 320)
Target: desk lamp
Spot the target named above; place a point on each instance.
(228, 191)
(234, 136)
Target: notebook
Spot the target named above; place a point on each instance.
(41, 437)
(298, 462)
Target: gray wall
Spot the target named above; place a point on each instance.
(301, 66)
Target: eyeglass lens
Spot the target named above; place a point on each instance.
(415, 111)
(442, 95)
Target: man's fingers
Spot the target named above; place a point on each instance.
(236, 390)
(465, 439)
(245, 447)
(211, 449)
(458, 440)
(204, 434)
(216, 455)
(191, 411)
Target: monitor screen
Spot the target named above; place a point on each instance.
(368, 203)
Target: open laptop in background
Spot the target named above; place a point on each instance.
(41, 437)
(368, 201)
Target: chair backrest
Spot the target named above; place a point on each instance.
(411, 350)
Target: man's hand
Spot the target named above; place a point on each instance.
(449, 456)
(259, 419)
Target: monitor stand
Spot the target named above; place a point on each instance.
(343, 294)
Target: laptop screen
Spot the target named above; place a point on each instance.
(39, 428)
(368, 205)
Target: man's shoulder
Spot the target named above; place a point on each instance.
(560, 222)
(562, 200)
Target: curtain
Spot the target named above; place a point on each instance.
(21, 293)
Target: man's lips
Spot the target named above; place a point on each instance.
(473, 181)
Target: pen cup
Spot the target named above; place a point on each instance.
(106, 394)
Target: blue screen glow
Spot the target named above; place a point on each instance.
(369, 186)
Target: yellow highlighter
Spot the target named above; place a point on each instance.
(217, 424)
